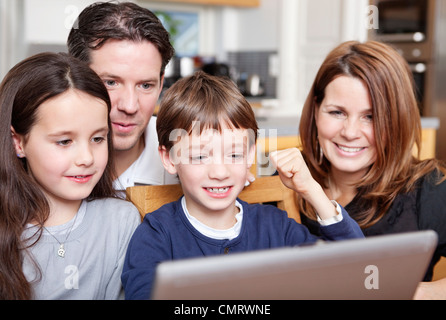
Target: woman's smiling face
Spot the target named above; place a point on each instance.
(344, 122)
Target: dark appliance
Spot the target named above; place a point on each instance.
(409, 26)
(417, 29)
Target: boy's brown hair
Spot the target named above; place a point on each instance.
(205, 100)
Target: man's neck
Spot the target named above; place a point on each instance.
(125, 158)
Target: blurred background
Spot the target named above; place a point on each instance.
(271, 48)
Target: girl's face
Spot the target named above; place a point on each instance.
(66, 149)
(212, 168)
(344, 123)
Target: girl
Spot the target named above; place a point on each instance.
(64, 234)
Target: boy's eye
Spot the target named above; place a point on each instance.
(237, 157)
(198, 157)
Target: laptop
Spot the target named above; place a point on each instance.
(379, 267)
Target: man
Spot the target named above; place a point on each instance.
(128, 47)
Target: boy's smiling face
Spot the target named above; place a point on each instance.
(212, 168)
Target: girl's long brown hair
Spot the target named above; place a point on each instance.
(26, 86)
(396, 121)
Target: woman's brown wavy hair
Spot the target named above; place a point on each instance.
(396, 121)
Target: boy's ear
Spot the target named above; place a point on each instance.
(19, 142)
(168, 164)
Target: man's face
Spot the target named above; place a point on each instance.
(131, 72)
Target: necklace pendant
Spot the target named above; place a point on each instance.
(61, 251)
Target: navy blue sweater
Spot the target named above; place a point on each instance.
(166, 234)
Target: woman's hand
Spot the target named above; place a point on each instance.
(435, 290)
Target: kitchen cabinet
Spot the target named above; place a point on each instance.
(238, 3)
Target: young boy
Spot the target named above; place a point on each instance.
(207, 133)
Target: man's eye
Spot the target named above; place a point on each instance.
(146, 86)
(110, 83)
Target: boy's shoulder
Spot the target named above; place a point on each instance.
(262, 210)
(165, 212)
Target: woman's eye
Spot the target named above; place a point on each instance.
(336, 113)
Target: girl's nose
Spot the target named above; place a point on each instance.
(84, 156)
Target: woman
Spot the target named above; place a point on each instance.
(358, 128)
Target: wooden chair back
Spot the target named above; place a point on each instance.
(262, 190)
(440, 270)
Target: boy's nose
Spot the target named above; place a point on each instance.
(218, 171)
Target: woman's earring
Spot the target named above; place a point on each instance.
(321, 153)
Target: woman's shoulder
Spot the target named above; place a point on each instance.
(433, 181)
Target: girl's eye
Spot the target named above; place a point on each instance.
(63, 142)
(98, 139)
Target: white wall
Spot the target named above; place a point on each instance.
(309, 29)
(11, 34)
(50, 21)
(252, 29)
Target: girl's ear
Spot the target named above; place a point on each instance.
(19, 142)
(168, 164)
